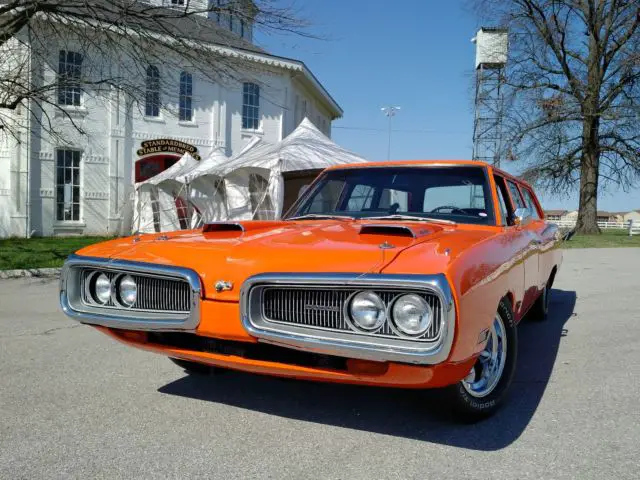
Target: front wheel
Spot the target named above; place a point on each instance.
(481, 392)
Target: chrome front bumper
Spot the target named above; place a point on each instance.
(73, 306)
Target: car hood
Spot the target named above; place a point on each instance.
(237, 251)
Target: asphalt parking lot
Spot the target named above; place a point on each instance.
(76, 404)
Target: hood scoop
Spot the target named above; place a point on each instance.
(237, 229)
(389, 229)
(223, 230)
(223, 227)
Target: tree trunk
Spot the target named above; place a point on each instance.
(589, 171)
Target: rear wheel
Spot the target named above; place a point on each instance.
(194, 368)
(481, 392)
(540, 309)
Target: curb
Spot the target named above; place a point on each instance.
(31, 272)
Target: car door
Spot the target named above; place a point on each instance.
(516, 240)
(545, 235)
(531, 252)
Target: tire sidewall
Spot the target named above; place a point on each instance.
(479, 407)
(545, 301)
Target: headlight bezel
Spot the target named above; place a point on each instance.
(76, 303)
(388, 328)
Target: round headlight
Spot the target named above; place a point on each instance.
(102, 289)
(128, 291)
(412, 314)
(367, 311)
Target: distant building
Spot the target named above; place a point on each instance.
(632, 215)
(602, 216)
(79, 186)
(554, 215)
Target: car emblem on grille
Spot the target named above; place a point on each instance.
(223, 285)
(322, 308)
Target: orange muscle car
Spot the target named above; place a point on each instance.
(398, 274)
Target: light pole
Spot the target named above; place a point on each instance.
(390, 112)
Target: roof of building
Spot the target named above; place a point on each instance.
(194, 27)
(555, 212)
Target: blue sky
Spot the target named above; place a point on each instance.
(416, 54)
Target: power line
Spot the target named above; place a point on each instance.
(459, 132)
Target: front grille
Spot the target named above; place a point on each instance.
(324, 308)
(154, 294)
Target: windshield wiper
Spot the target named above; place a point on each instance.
(320, 216)
(411, 218)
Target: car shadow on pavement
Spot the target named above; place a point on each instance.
(403, 413)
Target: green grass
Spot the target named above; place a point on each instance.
(608, 239)
(18, 253)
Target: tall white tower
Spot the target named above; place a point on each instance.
(491, 59)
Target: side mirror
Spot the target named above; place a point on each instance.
(521, 217)
(302, 190)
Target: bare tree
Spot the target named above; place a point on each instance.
(573, 107)
(120, 40)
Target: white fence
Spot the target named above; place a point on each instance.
(632, 227)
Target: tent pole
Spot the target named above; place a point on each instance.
(139, 209)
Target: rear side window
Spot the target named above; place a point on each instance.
(515, 195)
(531, 204)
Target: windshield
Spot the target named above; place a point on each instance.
(454, 193)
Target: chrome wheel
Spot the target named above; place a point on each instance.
(486, 373)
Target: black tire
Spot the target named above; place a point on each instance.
(194, 368)
(469, 408)
(540, 309)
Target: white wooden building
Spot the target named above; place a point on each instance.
(79, 184)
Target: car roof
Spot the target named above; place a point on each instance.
(410, 163)
(418, 163)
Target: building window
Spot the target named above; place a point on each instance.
(69, 75)
(177, 2)
(250, 106)
(152, 101)
(186, 97)
(67, 185)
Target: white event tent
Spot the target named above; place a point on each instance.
(205, 190)
(264, 181)
(155, 208)
(261, 182)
